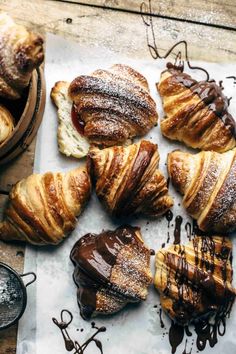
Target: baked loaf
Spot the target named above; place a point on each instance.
(208, 182)
(113, 105)
(6, 124)
(196, 112)
(127, 179)
(21, 52)
(43, 207)
(111, 269)
(195, 280)
(70, 141)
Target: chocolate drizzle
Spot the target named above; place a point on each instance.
(146, 13)
(204, 292)
(232, 77)
(75, 345)
(209, 92)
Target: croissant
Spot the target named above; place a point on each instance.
(208, 182)
(43, 207)
(21, 52)
(111, 269)
(113, 105)
(195, 280)
(196, 112)
(127, 179)
(6, 124)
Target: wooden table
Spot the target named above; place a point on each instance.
(209, 28)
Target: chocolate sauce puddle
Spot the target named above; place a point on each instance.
(75, 345)
(146, 13)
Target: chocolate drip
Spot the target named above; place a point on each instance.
(177, 230)
(176, 335)
(210, 94)
(169, 217)
(146, 13)
(94, 257)
(160, 318)
(75, 345)
(188, 228)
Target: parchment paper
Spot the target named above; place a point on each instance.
(136, 329)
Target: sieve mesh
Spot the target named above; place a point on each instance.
(12, 297)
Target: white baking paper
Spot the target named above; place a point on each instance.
(136, 329)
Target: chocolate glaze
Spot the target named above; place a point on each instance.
(209, 92)
(78, 123)
(75, 345)
(216, 298)
(146, 13)
(94, 257)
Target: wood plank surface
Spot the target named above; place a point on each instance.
(219, 13)
(123, 33)
(17, 169)
(99, 27)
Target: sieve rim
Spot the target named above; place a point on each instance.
(23, 287)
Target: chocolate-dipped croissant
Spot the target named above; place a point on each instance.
(6, 124)
(127, 179)
(195, 280)
(208, 182)
(196, 112)
(43, 207)
(21, 52)
(111, 269)
(113, 105)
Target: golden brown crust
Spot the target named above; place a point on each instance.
(196, 112)
(114, 104)
(6, 124)
(21, 52)
(195, 279)
(43, 208)
(207, 181)
(127, 179)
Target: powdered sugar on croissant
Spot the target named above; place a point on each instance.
(21, 52)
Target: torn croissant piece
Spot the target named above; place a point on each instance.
(208, 182)
(43, 207)
(127, 179)
(195, 280)
(21, 52)
(6, 124)
(111, 270)
(71, 142)
(196, 112)
(113, 105)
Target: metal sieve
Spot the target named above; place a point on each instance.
(13, 295)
